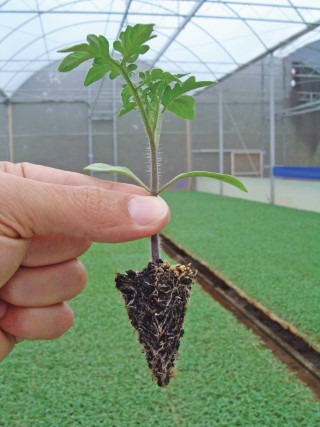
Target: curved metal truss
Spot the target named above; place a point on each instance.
(209, 38)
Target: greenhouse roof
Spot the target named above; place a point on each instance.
(209, 38)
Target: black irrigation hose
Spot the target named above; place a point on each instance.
(281, 337)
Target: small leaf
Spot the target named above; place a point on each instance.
(132, 41)
(117, 45)
(127, 108)
(121, 170)
(83, 47)
(104, 47)
(144, 49)
(192, 84)
(99, 70)
(73, 60)
(219, 176)
(126, 94)
(183, 107)
(180, 88)
(96, 72)
(94, 45)
(132, 67)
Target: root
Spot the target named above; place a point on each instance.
(156, 300)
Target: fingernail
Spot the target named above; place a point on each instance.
(3, 308)
(147, 210)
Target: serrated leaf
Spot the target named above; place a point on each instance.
(114, 72)
(99, 70)
(180, 88)
(192, 84)
(132, 41)
(83, 47)
(183, 107)
(104, 45)
(96, 72)
(73, 60)
(120, 170)
(94, 45)
(219, 176)
(126, 94)
(127, 108)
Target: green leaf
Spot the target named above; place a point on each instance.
(127, 108)
(97, 48)
(180, 88)
(219, 176)
(99, 70)
(83, 47)
(132, 41)
(96, 72)
(192, 84)
(73, 60)
(94, 45)
(121, 170)
(183, 107)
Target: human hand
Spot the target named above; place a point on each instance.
(48, 218)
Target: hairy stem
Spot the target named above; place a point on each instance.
(154, 184)
(153, 136)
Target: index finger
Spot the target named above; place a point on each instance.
(57, 176)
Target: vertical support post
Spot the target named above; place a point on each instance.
(272, 129)
(221, 142)
(10, 131)
(262, 106)
(114, 128)
(189, 154)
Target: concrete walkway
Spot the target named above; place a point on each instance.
(298, 194)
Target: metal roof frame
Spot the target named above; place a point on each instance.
(184, 12)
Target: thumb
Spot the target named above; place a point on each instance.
(95, 213)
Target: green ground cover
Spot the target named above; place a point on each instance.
(272, 253)
(96, 376)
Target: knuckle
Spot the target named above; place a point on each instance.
(103, 206)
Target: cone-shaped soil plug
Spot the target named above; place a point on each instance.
(156, 300)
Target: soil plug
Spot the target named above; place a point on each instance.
(156, 298)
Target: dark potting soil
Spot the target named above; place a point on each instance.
(156, 300)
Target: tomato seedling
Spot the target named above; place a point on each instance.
(156, 298)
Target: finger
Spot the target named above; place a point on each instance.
(57, 176)
(93, 213)
(47, 250)
(41, 323)
(12, 252)
(43, 286)
(6, 341)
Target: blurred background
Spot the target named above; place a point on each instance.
(259, 122)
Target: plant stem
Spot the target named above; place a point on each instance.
(154, 185)
(153, 136)
(155, 247)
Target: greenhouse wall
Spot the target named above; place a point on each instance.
(56, 121)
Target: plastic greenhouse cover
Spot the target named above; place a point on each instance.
(209, 38)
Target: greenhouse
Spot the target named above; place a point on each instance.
(202, 99)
